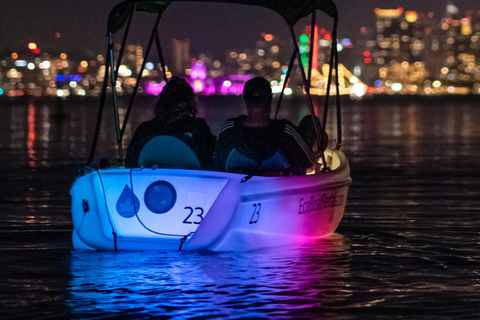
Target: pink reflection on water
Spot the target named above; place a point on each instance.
(31, 135)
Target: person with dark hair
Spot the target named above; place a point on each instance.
(256, 144)
(175, 116)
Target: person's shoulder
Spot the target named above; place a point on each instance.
(146, 126)
(230, 123)
(284, 122)
(291, 130)
(283, 125)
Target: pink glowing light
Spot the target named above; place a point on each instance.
(198, 71)
(154, 88)
(232, 87)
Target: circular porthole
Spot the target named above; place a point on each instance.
(160, 197)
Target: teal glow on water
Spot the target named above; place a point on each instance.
(408, 245)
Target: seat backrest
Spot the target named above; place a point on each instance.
(168, 152)
(241, 163)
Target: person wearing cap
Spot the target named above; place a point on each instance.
(256, 144)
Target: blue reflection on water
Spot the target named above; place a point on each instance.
(276, 282)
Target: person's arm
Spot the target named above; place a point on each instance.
(223, 146)
(204, 142)
(298, 152)
(135, 147)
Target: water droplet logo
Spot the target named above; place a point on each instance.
(128, 204)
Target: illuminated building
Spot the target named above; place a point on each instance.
(268, 59)
(348, 82)
(402, 45)
(459, 47)
(181, 56)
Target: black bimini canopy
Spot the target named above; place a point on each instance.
(290, 10)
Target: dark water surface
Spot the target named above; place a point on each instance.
(408, 246)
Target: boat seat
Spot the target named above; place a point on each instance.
(168, 152)
(240, 163)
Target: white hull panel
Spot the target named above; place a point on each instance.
(165, 209)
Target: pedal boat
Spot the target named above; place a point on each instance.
(116, 208)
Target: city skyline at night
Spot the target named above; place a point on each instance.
(405, 52)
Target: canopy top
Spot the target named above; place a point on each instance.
(290, 10)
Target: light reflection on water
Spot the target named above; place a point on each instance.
(268, 283)
(408, 246)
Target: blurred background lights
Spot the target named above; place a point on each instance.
(411, 16)
(21, 63)
(268, 37)
(63, 56)
(31, 66)
(436, 84)
(14, 55)
(32, 46)
(124, 71)
(358, 89)
(45, 64)
(149, 66)
(303, 39)
(397, 86)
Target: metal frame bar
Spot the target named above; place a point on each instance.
(285, 81)
(115, 102)
(310, 54)
(102, 105)
(124, 41)
(160, 56)
(317, 126)
(139, 77)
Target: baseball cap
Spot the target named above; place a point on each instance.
(256, 88)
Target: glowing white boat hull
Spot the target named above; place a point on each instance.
(163, 209)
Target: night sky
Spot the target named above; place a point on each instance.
(211, 28)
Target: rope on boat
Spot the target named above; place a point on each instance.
(115, 240)
(108, 213)
(184, 239)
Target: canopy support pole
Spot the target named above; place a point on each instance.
(102, 105)
(139, 77)
(160, 56)
(124, 41)
(330, 71)
(285, 82)
(115, 105)
(339, 114)
(317, 126)
(310, 54)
